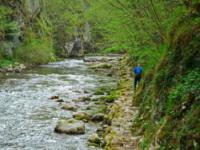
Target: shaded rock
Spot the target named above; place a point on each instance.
(54, 97)
(60, 100)
(100, 131)
(77, 91)
(69, 107)
(82, 116)
(70, 126)
(85, 98)
(98, 117)
(74, 49)
(82, 99)
(107, 121)
(86, 92)
(95, 140)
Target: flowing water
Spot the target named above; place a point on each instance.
(27, 115)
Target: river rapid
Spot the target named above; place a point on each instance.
(27, 114)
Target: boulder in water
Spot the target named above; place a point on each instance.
(95, 140)
(60, 100)
(69, 107)
(82, 116)
(70, 126)
(82, 99)
(55, 97)
(98, 117)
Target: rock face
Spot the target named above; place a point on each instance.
(70, 126)
(25, 12)
(74, 49)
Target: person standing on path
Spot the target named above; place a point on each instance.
(138, 75)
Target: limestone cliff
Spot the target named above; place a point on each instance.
(22, 15)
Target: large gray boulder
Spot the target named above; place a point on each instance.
(70, 126)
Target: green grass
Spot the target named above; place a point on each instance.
(6, 63)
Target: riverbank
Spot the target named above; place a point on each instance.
(13, 69)
(118, 135)
(115, 131)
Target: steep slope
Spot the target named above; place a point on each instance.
(169, 99)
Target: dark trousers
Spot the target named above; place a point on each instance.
(137, 80)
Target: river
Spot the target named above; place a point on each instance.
(27, 114)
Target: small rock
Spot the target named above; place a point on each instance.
(60, 100)
(54, 97)
(22, 66)
(17, 70)
(86, 92)
(69, 107)
(70, 126)
(100, 131)
(77, 91)
(85, 98)
(82, 99)
(10, 69)
(98, 117)
(82, 116)
(95, 140)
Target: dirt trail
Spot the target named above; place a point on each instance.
(120, 136)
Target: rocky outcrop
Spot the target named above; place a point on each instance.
(74, 49)
(23, 16)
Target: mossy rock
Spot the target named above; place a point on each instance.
(101, 66)
(82, 116)
(69, 107)
(99, 92)
(70, 126)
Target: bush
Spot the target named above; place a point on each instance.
(5, 63)
(35, 51)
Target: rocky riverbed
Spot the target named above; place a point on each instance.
(69, 97)
(15, 68)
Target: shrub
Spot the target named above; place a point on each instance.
(35, 51)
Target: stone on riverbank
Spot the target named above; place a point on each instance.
(70, 126)
(102, 66)
(98, 117)
(82, 99)
(82, 116)
(69, 107)
(16, 68)
(54, 97)
(95, 140)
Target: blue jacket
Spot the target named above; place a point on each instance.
(137, 70)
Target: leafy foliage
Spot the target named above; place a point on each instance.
(186, 90)
(35, 50)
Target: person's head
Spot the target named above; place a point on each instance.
(138, 64)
